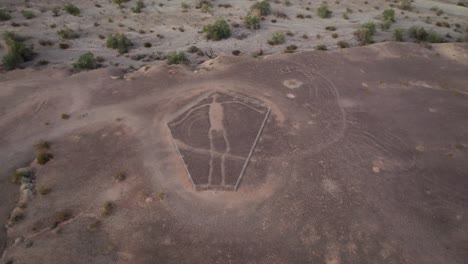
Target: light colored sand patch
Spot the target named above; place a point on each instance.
(292, 83)
(330, 186)
(347, 103)
(452, 52)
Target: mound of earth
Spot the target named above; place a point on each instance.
(362, 159)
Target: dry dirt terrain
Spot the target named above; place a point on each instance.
(362, 160)
(257, 150)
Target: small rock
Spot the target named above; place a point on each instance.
(19, 240)
(290, 96)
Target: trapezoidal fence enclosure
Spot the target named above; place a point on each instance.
(216, 135)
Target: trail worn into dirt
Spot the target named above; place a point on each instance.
(362, 160)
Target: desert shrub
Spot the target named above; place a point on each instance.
(398, 34)
(434, 37)
(323, 11)
(68, 33)
(218, 30)
(277, 38)
(205, 7)
(193, 49)
(174, 57)
(86, 61)
(385, 25)
(64, 45)
(44, 190)
(370, 26)
(405, 5)
(185, 6)
(17, 52)
(4, 15)
(365, 32)
(16, 217)
(119, 42)
(65, 116)
(388, 15)
(22, 175)
(61, 217)
(42, 145)
(43, 157)
(119, 2)
(147, 45)
(28, 14)
(342, 44)
(290, 49)
(330, 28)
(94, 226)
(72, 9)
(262, 8)
(418, 33)
(321, 47)
(139, 6)
(107, 209)
(119, 177)
(56, 11)
(252, 21)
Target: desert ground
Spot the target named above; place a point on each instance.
(167, 26)
(311, 155)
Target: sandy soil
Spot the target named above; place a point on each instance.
(166, 18)
(363, 160)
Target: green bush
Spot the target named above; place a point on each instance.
(119, 2)
(418, 33)
(342, 44)
(370, 26)
(321, 47)
(139, 6)
(56, 11)
(43, 157)
(277, 38)
(68, 33)
(252, 21)
(218, 30)
(17, 53)
(86, 61)
(434, 37)
(119, 42)
(4, 15)
(28, 14)
(398, 34)
(405, 5)
(72, 9)
(174, 57)
(323, 11)
(364, 33)
(388, 15)
(385, 25)
(263, 8)
(22, 175)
